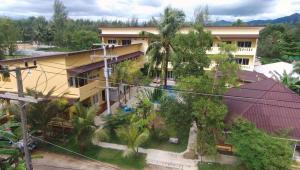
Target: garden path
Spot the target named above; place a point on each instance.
(158, 157)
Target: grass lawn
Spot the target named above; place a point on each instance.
(102, 154)
(215, 166)
(156, 144)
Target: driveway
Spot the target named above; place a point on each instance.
(53, 161)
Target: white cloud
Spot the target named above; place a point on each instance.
(145, 9)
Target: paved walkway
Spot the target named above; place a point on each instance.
(158, 158)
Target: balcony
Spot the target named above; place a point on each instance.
(240, 51)
(86, 91)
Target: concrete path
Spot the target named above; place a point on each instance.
(53, 161)
(158, 158)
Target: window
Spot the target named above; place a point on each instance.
(112, 41)
(95, 99)
(103, 95)
(246, 44)
(126, 42)
(242, 61)
(227, 42)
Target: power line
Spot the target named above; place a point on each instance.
(192, 92)
(181, 81)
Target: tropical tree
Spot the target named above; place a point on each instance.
(40, 114)
(126, 72)
(59, 21)
(84, 126)
(7, 147)
(297, 68)
(133, 136)
(257, 150)
(289, 81)
(8, 36)
(160, 48)
(190, 57)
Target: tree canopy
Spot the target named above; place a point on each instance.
(257, 150)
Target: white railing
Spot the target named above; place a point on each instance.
(240, 51)
(245, 49)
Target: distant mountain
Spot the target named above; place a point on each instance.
(292, 19)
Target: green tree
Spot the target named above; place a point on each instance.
(257, 150)
(201, 15)
(238, 22)
(84, 127)
(290, 82)
(134, 138)
(8, 36)
(190, 57)
(160, 49)
(82, 39)
(59, 21)
(297, 68)
(39, 114)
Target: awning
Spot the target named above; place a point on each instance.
(100, 64)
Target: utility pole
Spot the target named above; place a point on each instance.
(106, 74)
(21, 98)
(23, 119)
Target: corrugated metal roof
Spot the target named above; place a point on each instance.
(100, 64)
(280, 111)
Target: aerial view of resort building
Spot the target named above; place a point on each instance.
(154, 85)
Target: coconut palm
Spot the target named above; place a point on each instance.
(292, 83)
(160, 49)
(39, 114)
(133, 137)
(297, 67)
(84, 127)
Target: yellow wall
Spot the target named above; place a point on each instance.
(51, 72)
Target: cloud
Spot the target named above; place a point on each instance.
(243, 8)
(145, 9)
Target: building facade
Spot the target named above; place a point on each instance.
(75, 75)
(244, 37)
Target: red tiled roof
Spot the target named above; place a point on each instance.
(268, 104)
(250, 76)
(100, 64)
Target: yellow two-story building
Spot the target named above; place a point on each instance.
(77, 76)
(244, 37)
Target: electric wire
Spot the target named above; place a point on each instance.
(191, 92)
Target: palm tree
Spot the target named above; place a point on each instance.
(84, 126)
(40, 114)
(160, 49)
(134, 138)
(8, 149)
(297, 68)
(290, 82)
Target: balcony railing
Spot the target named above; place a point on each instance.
(240, 51)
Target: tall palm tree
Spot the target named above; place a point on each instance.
(84, 126)
(297, 67)
(160, 49)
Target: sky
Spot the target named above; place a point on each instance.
(145, 9)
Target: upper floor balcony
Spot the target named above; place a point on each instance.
(240, 51)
